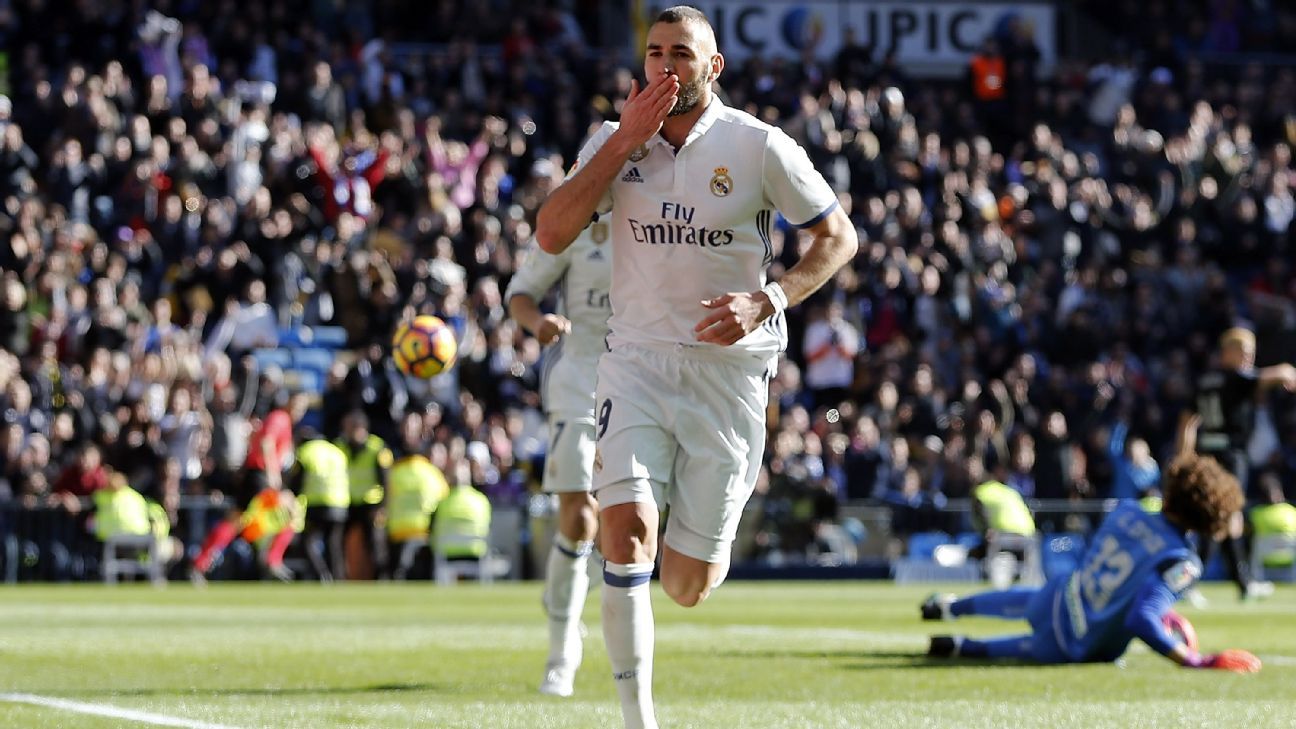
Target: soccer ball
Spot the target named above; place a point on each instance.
(424, 347)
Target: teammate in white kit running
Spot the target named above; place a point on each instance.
(575, 336)
(695, 330)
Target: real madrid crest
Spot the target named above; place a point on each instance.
(721, 182)
(599, 233)
(640, 152)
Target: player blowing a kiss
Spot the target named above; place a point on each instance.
(693, 187)
(1139, 564)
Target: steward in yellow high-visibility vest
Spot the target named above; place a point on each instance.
(1002, 509)
(367, 468)
(369, 463)
(324, 475)
(1277, 518)
(120, 510)
(462, 524)
(321, 476)
(414, 488)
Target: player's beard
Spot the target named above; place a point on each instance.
(688, 96)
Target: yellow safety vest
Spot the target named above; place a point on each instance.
(120, 511)
(1274, 520)
(362, 469)
(414, 487)
(1004, 509)
(159, 520)
(324, 474)
(465, 512)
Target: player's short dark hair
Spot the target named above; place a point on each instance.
(681, 13)
(1200, 495)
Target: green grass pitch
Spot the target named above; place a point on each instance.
(755, 655)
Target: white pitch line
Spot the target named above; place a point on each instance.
(1279, 660)
(114, 712)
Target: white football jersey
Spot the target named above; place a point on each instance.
(583, 275)
(694, 224)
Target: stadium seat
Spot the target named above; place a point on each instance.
(132, 554)
(295, 337)
(265, 358)
(1062, 554)
(309, 380)
(923, 544)
(448, 571)
(313, 358)
(969, 540)
(1273, 546)
(313, 419)
(328, 337)
(840, 546)
(1029, 571)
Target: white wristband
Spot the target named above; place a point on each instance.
(777, 298)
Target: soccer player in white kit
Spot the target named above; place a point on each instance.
(575, 336)
(695, 330)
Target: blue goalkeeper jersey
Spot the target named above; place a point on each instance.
(1132, 550)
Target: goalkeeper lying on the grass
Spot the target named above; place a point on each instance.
(1137, 567)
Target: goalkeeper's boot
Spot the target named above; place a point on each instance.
(945, 646)
(937, 607)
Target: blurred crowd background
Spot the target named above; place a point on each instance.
(1047, 259)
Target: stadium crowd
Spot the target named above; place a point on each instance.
(1046, 261)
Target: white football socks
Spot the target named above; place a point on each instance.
(566, 587)
(629, 633)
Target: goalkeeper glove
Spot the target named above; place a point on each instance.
(1237, 661)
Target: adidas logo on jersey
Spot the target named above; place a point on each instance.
(632, 176)
(595, 255)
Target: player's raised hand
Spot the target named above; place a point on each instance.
(733, 317)
(1233, 659)
(551, 327)
(646, 109)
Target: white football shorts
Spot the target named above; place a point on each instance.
(569, 462)
(692, 419)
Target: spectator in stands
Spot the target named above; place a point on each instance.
(1146, 209)
(831, 344)
(1136, 470)
(82, 478)
(1053, 459)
